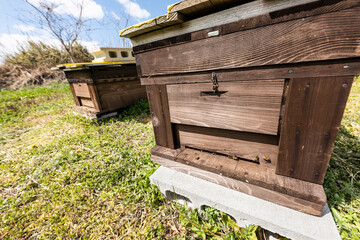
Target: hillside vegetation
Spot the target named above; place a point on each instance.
(31, 64)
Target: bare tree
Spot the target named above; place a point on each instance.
(120, 23)
(64, 27)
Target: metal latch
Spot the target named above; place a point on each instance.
(215, 87)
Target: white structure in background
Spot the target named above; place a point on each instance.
(112, 55)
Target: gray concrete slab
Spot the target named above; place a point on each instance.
(245, 209)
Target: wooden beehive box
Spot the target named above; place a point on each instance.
(102, 88)
(252, 90)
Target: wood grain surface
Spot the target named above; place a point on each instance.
(323, 37)
(300, 70)
(254, 147)
(244, 106)
(116, 95)
(246, 172)
(240, 12)
(160, 116)
(81, 90)
(314, 208)
(273, 16)
(311, 122)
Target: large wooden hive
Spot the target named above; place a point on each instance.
(252, 90)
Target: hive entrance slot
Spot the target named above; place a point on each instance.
(236, 158)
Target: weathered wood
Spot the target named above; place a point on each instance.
(248, 172)
(320, 69)
(242, 106)
(297, 12)
(76, 99)
(254, 147)
(119, 72)
(81, 90)
(298, 204)
(154, 24)
(328, 36)
(95, 97)
(119, 94)
(87, 102)
(188, 7)
(160, 116)
(311, 122)
(108, 87)
(244, 11)
(77, 76)
(169, 19)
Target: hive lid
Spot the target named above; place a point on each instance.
(190, 11)
(87, 65)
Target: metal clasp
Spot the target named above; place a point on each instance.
(215, 82)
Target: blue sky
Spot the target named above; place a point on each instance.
(104, 16)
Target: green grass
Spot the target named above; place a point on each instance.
(63, 176)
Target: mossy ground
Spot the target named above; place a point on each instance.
(63, 176)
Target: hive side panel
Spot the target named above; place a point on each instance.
(311, 122)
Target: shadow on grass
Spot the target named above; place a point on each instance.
(138, 112)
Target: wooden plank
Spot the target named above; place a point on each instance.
(254, 147)
(243, 106)
(282, 199)
(157, 23)
(328, 36)
(95, 97)
(78, 76)
(297, 12)
(170, 19)
(140, 29)
(76, 99)
(160, 116)
(116, 71)
(250, 173)
(244, 11)
(190, 6)
(87, 102)
(81, 90)
(311, 122)
(117, 95)
(320, 69)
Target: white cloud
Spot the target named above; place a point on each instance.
(91, 9)
(24, 28)
(10, 43)
(134, 9)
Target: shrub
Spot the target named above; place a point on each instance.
(31, 64)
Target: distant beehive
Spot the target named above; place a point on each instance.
(112, 55)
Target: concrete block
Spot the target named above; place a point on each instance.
(245, 209)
